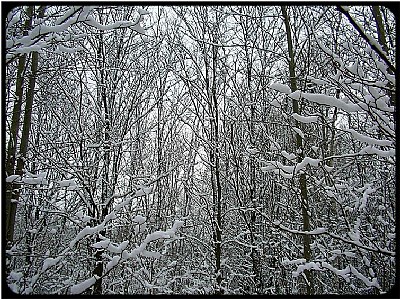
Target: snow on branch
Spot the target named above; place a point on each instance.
(77, 14)
(84, 285)
(305, 119)
(287, 171)
(92, 230)
(322, 266)
(124, 254)
(320, 231)
(369, 140)
(323, 99)
(369, 39)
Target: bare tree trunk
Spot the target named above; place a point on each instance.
(302, 180)
(382, 40)
(12, 191)
(102, 212)
(255, 257)
(215, 171)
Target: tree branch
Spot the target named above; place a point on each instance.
(364, 36)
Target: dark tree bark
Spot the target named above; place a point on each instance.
(382, 41)
(362, 34)
(302, 180)
(12, 190)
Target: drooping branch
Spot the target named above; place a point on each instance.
(365, 37)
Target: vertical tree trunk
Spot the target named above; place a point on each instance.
(160, 162)
(382, 41)
(217, 194)
(102, 212)
(302, 180)
(12, 191)
(255, 257)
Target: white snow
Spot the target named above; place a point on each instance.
(355, 236)
(148, 190)
(278, 168)
(306, 266)
(49, 262)
(319, 230)
(86, 218)
(274, 146)
(365, 196)
(177, 224)
(296, 95)
(288, 156)
(85, 232)
(344, 272)
(67, 183)
(373, 150)
(14, 178)
(168, 234)
(123, 245)
(251, 150)
(26, 50)
(316, 81)
(345, 8)
(81, 287)
(315, 148)
(68, 50)
(381, 104)
(16, 275)
(110, 216)
(286, 261)
(151, 254)
(307, 161)
(366, 261)
(366, 281)
(288, 171)
(111, 264)
(140, 192)
(62, 24)
(369, 140)
(29, 179)
(122, 204)
(67, 14)
(142, 11)
(305, 119)
(280, 87)
(138, 29)
(275, 103)
(93, 145)
(139, 219)
(299, 132)
(101, 244)
(329, 101)
(140, 228)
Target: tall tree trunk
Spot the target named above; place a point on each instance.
(382, 41)
(102, 212)
(255, 257)
(302, 180)
(217, 192)
(12, 191)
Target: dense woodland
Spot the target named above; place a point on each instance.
(199, 150)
